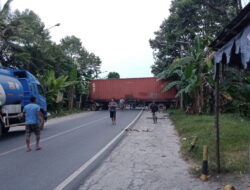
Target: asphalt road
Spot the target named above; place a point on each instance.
(67, 144)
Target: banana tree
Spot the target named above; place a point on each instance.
(55, 88)
(190, 75)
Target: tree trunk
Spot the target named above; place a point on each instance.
(71, 93)
(80, 101)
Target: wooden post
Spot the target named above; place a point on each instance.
(193, 143)
(204, 173)
(217, 112)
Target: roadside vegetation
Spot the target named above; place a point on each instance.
(235, 135)
(65, 112)
(183, 57)
(64, 69)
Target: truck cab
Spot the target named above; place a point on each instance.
(31, 87)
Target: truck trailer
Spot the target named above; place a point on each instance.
(135, 92)
(16, 88)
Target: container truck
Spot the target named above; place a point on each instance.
(135, 92)
(16, 88)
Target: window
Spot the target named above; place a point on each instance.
(40, 90)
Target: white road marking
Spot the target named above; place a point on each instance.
(51, 137)
(91, 160)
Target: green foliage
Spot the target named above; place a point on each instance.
(113, 75)
(56, 87)
(25, 43)
(88, 64)
(234, 90)
(61, 113)
(71, 88)
(189, 75)
(188, 19)
(235, 135)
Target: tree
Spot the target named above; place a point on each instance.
(26, 44)
(56, 87)
(190, 75)
(189, 18)
(7, 32)
(31, 43)
(113, 75)
(72, 47)
(71, 88)
(88, 64)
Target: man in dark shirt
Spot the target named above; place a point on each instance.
(154, 109)
(112, 109)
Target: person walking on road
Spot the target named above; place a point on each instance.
(112, 108)
(32, 116)
(154, 109)
(122, 104)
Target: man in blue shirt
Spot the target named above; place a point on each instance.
(32, 115)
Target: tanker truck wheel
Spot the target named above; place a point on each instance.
(1, 127)
(3, 130)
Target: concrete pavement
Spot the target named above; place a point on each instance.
(148, 159)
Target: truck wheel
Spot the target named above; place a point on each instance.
(93, 107)
(1, 127)
(3, 130)
(161, 107)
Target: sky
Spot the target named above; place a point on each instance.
(244, 2)
(118, 31)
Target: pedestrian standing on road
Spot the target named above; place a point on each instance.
(154, 109)
(32, 116)
(112, 109)
(122, 102)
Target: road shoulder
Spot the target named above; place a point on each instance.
(148, 158)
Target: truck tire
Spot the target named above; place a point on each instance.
(93, 107)
(161, 107)
(3, 130)
(1, 127)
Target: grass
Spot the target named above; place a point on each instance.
(234, 140)
(62, 113)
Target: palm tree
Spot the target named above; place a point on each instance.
(55, 89)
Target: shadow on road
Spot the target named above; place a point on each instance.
(12, 134)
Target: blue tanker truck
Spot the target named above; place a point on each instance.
(16, 88)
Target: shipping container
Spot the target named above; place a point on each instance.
(135, 91)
